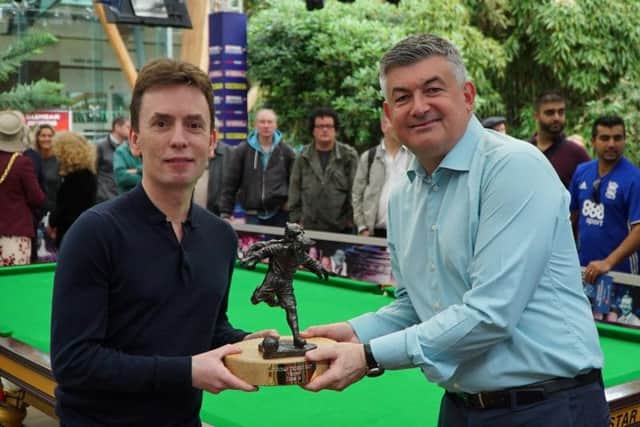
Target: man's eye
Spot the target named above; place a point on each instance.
(400, 99)
(433, 90)
(196, 125)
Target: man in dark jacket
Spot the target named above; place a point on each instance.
(260, 169)
(107, 188)
(322, 178)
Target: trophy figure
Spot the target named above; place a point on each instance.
(287, 355)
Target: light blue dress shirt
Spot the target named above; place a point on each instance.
(489, 288)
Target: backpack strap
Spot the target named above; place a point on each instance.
(371, 154)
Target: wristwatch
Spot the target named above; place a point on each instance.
(374, 369)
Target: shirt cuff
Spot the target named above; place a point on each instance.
(361, 228)
(172, 373)
(364, 327)
(390, 351)
(388, 347)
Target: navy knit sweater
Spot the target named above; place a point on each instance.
(131, 304)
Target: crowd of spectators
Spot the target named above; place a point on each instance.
(324, 185)
(49, 179)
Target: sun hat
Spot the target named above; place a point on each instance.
(12, 130)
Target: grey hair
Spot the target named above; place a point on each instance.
(266, 110)
(416, 48)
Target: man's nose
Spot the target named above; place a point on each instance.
(421, 104)
(179, 136)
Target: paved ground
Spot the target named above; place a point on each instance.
(36, 418)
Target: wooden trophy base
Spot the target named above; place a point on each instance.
(253, 368)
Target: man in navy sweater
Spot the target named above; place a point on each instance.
(139, 323)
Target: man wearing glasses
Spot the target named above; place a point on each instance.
(605, 203)
(322, 177)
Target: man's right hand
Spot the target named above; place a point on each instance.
(341, 332)
(209, 373)
(227, 217)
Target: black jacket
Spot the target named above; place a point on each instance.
(262, 191)
(76, 194)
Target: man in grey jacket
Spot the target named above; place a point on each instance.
(322, 177)
(259, 173)
(106, 146)
(379, 167)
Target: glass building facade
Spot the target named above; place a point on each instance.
(82, 59)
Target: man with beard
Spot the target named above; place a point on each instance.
(605, 203)
(563, 154)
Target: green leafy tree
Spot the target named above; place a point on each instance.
(514, 50)
(30, 96)
(583, 48)
(621, 101)
(305, 59)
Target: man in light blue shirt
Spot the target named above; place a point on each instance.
(489, 302)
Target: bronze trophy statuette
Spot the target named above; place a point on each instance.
(273, 361)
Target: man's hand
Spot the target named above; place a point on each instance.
(209, 373)
(347, 365)
(341, 332)
(365, 232)
(262, 334)
(595, 269)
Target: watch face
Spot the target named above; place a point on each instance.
(375, 372)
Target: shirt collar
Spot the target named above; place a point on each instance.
(113, 141)
(384, 146)
(155, 215)
(459, 157)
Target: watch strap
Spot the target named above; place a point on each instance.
(373, 367)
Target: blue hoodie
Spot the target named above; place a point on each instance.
(255, 144)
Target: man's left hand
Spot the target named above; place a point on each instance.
(347, 365)
(595, 269)
(262, 334)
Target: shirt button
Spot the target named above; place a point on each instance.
(433, 267)
(434, 227)
(456, 385)
(436, 305)
(435, 188)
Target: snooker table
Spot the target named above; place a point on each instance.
(398, 398)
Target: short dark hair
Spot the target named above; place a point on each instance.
(419, 47)
(167, 72)
(323, 112)
(118, 121)
(608, 122)
(546, 97)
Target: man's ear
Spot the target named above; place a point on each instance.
(134, 143)
(469, 91)
(213, 144)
